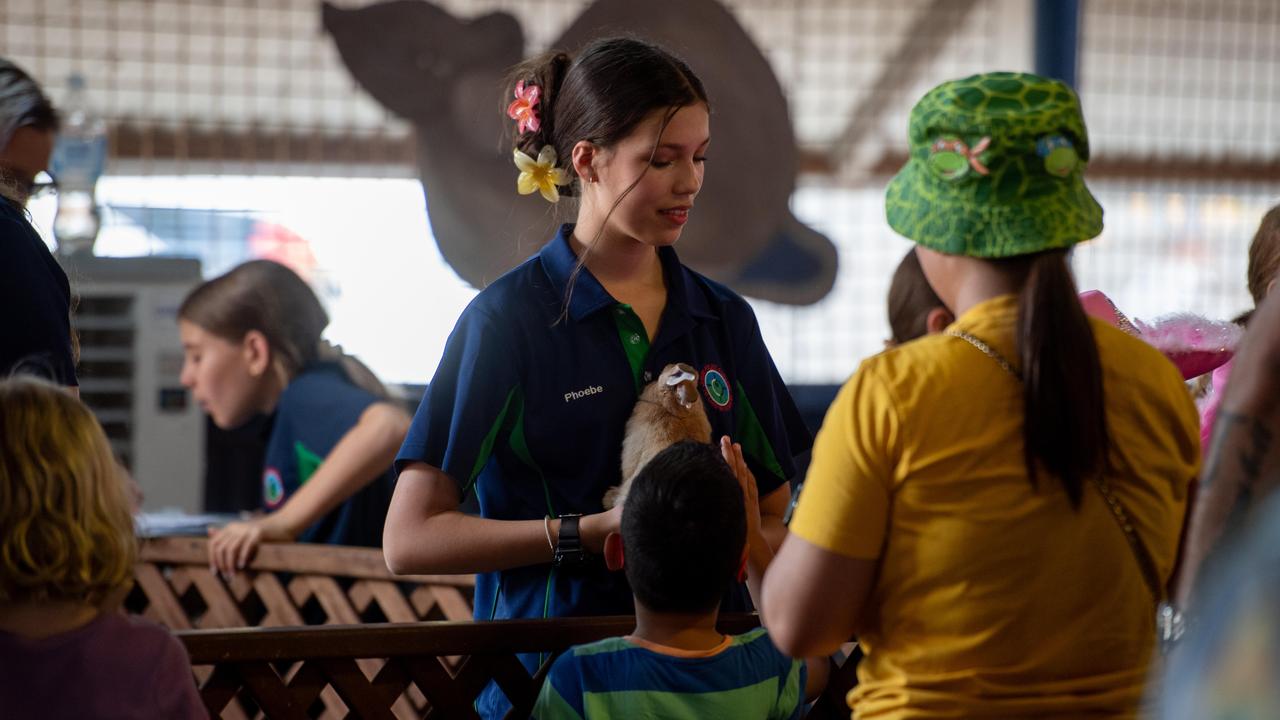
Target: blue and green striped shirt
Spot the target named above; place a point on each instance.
(745, 678)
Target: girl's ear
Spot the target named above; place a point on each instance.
(257, 353)
(583, 158)
(937, 320)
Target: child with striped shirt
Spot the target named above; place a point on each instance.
(690, 528)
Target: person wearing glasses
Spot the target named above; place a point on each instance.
(35, 334)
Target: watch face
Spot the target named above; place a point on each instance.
(572, 558)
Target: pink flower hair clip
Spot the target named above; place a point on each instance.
(524, 108)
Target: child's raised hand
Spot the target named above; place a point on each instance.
(732, 453)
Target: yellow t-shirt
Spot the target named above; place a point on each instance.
(995, 598)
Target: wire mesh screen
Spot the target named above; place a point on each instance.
(1185, 79)
(204, 62)
(1182, 98)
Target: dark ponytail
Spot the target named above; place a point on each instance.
(1065, 423)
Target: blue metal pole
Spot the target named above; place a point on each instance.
(1057, 39)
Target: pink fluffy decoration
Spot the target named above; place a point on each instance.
(1195, 344)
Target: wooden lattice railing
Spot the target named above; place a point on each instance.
(287, 584)
(371, 670)
(254, 657)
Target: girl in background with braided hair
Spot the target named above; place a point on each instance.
(529, 404)
(252, 344)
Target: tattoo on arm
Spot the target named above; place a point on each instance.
(1245, 438)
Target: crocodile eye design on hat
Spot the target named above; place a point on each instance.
(995, 169)
(1059, 154)
(951, 158)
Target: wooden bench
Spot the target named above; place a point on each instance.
(287, 584)
(431, 669)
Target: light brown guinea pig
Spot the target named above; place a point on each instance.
(668, 411)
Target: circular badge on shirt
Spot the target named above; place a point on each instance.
(272, 487)
(716, 387)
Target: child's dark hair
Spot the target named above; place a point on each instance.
(684, 527)
(911, 298)
(600, 96)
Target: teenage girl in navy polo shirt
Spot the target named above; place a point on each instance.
(538, 378)
(252, 344)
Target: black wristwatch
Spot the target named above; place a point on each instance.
(569, 550)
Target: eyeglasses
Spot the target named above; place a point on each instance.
(42, 184)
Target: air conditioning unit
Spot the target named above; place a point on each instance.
(125, 312)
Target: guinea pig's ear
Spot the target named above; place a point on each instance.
(679, 376)
(686, 393)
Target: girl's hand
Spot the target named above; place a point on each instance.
(595, 528)
(232, 546)
(732, 453)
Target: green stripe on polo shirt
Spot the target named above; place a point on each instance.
(520, 446)
(486, 447)
(635, 339)
(308, 462)
(750, 434)
(738, 702)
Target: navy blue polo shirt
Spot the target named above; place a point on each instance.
(529, 406)
(35, 302)
(315, 411)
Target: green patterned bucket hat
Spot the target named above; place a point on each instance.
(995, 169)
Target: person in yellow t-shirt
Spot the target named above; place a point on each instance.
(955, 516)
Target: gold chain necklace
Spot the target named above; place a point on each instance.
(1170, 622)
(985, 349)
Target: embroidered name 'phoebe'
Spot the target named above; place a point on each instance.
(584, 392)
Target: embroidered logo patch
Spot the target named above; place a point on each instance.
(272, 487)
(716, 387)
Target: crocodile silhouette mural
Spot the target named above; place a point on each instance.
(444, 74)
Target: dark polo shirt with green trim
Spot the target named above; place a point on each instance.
(315, 411)
(529, 405)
